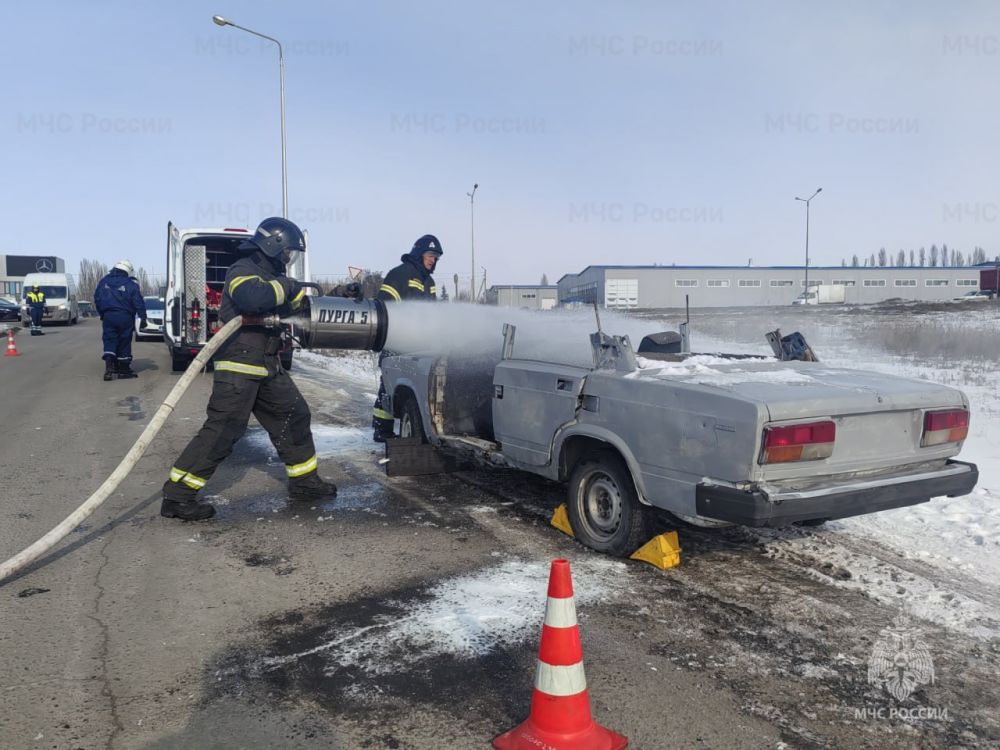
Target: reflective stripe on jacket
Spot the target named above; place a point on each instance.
(409, 280)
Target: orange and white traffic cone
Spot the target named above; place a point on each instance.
(11, 347)
(560, 706)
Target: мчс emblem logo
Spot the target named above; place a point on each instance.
(900, 661)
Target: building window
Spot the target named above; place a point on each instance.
(685, 282)
(782, 282)
(874, 282)
(748, 282)
(905, 282)
(935, 282)
(967, 282)
(812, 282)
(844, 282)
(13, 288)
(718, 283)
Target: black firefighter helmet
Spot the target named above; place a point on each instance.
(274, 236)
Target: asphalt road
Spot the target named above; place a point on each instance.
(361, 624)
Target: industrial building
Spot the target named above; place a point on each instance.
(532, 297)
(631, 287)
(13, 269)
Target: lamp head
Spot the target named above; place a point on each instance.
(220, 21)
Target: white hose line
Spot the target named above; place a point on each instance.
(91, 504)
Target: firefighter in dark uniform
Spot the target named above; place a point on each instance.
(118, 300)
(410, 280)
(249, 380)
(36, 307)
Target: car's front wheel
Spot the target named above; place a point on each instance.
(604, 507)
(411, 424)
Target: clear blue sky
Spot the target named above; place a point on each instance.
(642, 132)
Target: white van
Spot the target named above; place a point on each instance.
(197, 262)
(60, 298)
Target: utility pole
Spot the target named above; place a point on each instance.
(806, 201)
(472, 225)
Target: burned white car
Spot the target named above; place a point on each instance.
(711, 439)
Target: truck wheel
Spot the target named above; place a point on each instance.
(410, 423)
(604, 508)
(286, 360)
(179, 363)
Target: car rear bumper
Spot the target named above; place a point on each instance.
(760, 508)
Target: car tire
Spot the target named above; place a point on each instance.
(411, 424)
(604, 507)
(179, 363)
(286, 360)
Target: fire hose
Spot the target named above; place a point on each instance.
(326, 323)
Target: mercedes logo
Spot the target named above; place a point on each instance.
(44, 265)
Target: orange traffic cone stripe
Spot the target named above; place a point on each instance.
(560, 716)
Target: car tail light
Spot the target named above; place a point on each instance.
(940, 427)
(798, 442)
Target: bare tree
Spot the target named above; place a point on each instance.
(855, 262)
(913, 261)
(978, 256)
(945, 259)
(91, 272)
(957, 258)
(545, 280)
(934, 256)
(871, 261)
(883, 258)
(901, 258)
(923, 257)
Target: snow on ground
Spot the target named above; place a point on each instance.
(465, 616)
(711, 370)
(959, 535)
(330, 440)
(357, 366)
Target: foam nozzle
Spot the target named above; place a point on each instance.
(340, 323)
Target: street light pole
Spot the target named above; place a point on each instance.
(472, 224)
(220, 21)
(806, 201)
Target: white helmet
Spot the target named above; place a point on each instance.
(125, 265)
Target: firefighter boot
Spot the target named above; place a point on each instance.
(186, 510)
(125, 370)
(311, 488)
(109, 368)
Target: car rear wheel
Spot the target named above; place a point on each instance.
(411, 425)
(179, 363)
(604, 508)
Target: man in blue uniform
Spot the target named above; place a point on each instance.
(118, 301)
(36, 307)
(410, 280)
(249, 380)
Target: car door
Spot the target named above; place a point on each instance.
(531, 401)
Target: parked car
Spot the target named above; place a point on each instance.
(976, 295)
(86, 308)
(711, 439)
(9, 308)
(154, 320)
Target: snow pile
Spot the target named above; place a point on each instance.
(467, 616)
(708, 369)
(357, 366)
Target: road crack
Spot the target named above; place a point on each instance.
(106, 690)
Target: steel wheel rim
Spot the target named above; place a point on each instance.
(405, 426)
(601, 504)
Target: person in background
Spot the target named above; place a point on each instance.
(249, 379)
(410, 280)
(36, 307)
(118, 300)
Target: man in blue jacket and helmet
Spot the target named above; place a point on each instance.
(118, 301)
(249, 379)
